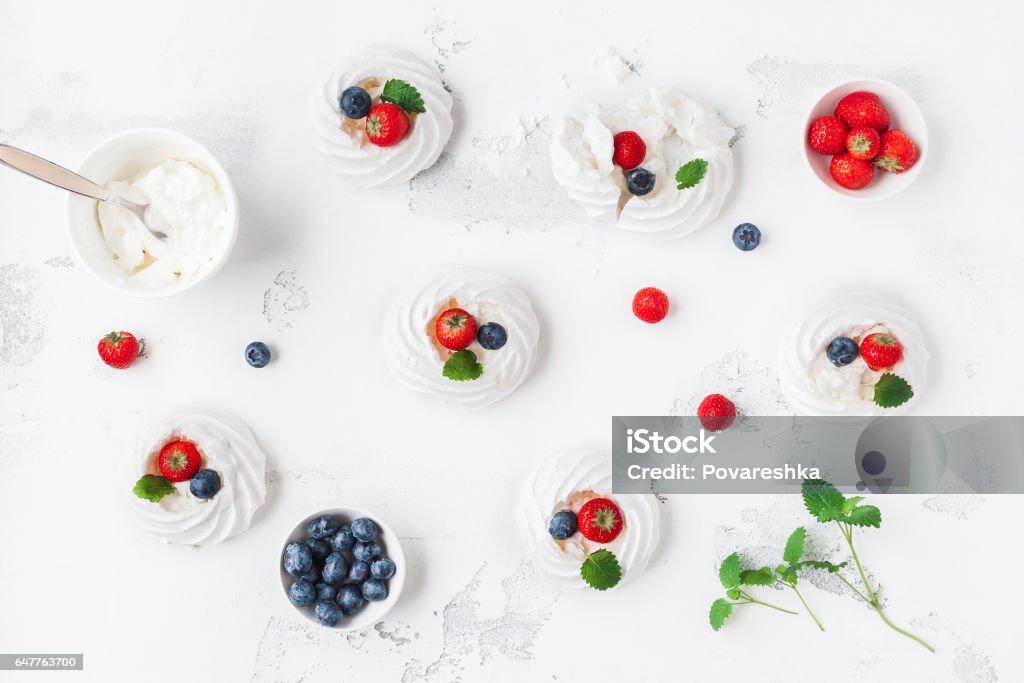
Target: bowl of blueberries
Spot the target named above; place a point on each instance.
(342, 568)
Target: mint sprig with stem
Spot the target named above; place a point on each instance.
(828, 504)
(734, 578)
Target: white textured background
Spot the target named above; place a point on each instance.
(317, 262)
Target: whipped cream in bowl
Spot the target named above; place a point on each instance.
(676, 129)
(813, 386)
(417, 360)
(191, 198)
(343, 141)
(566, 480)
(228, 447)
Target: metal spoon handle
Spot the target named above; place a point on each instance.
(49, 172)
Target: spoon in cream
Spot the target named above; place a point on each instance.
(58, 176)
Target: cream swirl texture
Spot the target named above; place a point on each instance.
(815, 387)
(565, 481)
(229, 448)
(417, 361)
(343, 141)
(676, 129)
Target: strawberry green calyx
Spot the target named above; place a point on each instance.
(114, 339)
(884, 339)
(860, 144)
(605, 519)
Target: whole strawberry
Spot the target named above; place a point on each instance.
(863, 108)
(716, 412)
(119, 349)
(628, 150)
(386, 124)
(897, 153)
(851, 172)
(455, 329)
(828, 135)
(863, 142)
(650, 304)
(881, 351)
(600, 520)
(179, 460)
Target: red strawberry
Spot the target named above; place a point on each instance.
(828, 135)
(716, 412)
(600, 520)
(863, 108)
(851, 172)
(455, 329)
(119, 349)
(179, 460)
(629, 150)
(881, 351)
(650, 304)
(863, 142)
(898, 152)
(386, 124)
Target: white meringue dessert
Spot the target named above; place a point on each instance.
(343, 140)
(676, 130)
(566, 480)
(228, 447)
(814, 386)
(417, 359)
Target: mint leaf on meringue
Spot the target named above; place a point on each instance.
(691, 173)
(601, 570)
(153, 487)
(404, 95)
(462, 366)
(892, 391)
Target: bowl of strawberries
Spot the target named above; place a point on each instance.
(865, 139)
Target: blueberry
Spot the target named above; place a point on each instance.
(319, 548)
(359, 571)
(364, 530)
(349, 598)
(302, 593)
(325, 591)
(355, 102)
(563, 524)
(314, 575)
(328, 613)
(639, 181)
(343, 540)
(298, 559)
(335, 568)
(366, 551)
(322, 527)
(375, 590)
(746, 236)
(382, 568)
(257, 355)
(491, 336)
(842, 351)
(204, 484)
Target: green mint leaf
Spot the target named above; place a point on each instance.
(153, 487)
(720, 611)
(823, 500)
(865, 515)
(601, 570)
(730, 571)
(794, 546)
(757, 577)
(733, 593)
(691, 173)
(892, 390)
(462, 366)
(850, 503)
(404, 95)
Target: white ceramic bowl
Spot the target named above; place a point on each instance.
(904, 114)
(372, 612)
(126, 155)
